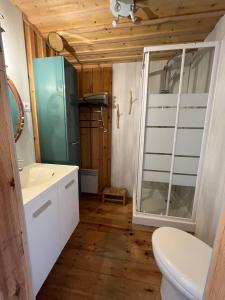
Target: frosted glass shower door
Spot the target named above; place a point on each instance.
(177, 86)
(159, 132)
(190, 129)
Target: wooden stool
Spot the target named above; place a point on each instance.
(115, 194)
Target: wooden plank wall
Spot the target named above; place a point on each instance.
(15, 277)
(95, 143)
(215, 287)
(36, 46)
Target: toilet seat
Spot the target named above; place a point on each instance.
(183, 259)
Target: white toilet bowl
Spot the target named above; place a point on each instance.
(184, 262)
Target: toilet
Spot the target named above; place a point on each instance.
(184, 262)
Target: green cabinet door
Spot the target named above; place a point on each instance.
(51, 108)
(71, 102)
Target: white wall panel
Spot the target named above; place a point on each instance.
(126, 78)
(15, 59)
(212, 187)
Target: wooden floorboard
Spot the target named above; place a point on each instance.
(107, 257)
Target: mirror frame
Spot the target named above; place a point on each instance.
(19, 104)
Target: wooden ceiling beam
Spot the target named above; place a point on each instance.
(144, 36)
(126, 55)
(139, 32)
(121, 46)
(104, 23)
(107, 55)
(111, 59)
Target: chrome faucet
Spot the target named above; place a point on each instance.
(20, 168)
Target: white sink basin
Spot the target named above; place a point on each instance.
(37, 178)
(35, 175)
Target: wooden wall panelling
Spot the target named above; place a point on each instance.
(15, 278)
(215, 287)
(98, 135)
(41, 46)
(95, 144)
(36, 46)
(107, 85)
(85, 114)
(30, 50)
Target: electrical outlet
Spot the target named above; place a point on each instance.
(27, 107)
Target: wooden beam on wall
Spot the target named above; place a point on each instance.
(30, 50)
(36, 46)
(41, 46)
(15, 277)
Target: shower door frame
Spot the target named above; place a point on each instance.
(154, 219)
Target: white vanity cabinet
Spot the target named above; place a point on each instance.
(51, 218)
(68, 208)
(41, 216)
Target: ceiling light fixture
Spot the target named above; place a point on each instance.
(122, 9)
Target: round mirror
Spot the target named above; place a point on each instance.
(17, 110)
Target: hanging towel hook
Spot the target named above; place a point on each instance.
(118, 114)
(131, 102)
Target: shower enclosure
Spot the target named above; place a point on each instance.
(177, 91)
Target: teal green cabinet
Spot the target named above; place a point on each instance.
(57, 110)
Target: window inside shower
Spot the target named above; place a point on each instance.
(176, 87)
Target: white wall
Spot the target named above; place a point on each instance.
(212, 195)
(15, 59)
(126, 78)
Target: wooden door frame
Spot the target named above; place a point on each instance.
(215, 287)
(15, 276)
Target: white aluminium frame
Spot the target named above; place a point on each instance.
(158, 220)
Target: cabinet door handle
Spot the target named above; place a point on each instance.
(69, 184)
(42, 208)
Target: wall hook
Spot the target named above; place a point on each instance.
(131, 102)
(118, 114)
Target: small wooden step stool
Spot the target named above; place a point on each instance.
(114, 194)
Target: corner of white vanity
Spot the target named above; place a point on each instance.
(51, 207)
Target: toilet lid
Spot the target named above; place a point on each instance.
(184, 257)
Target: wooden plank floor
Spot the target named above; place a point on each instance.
(107, 257)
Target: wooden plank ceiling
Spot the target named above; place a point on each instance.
(87, 25)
